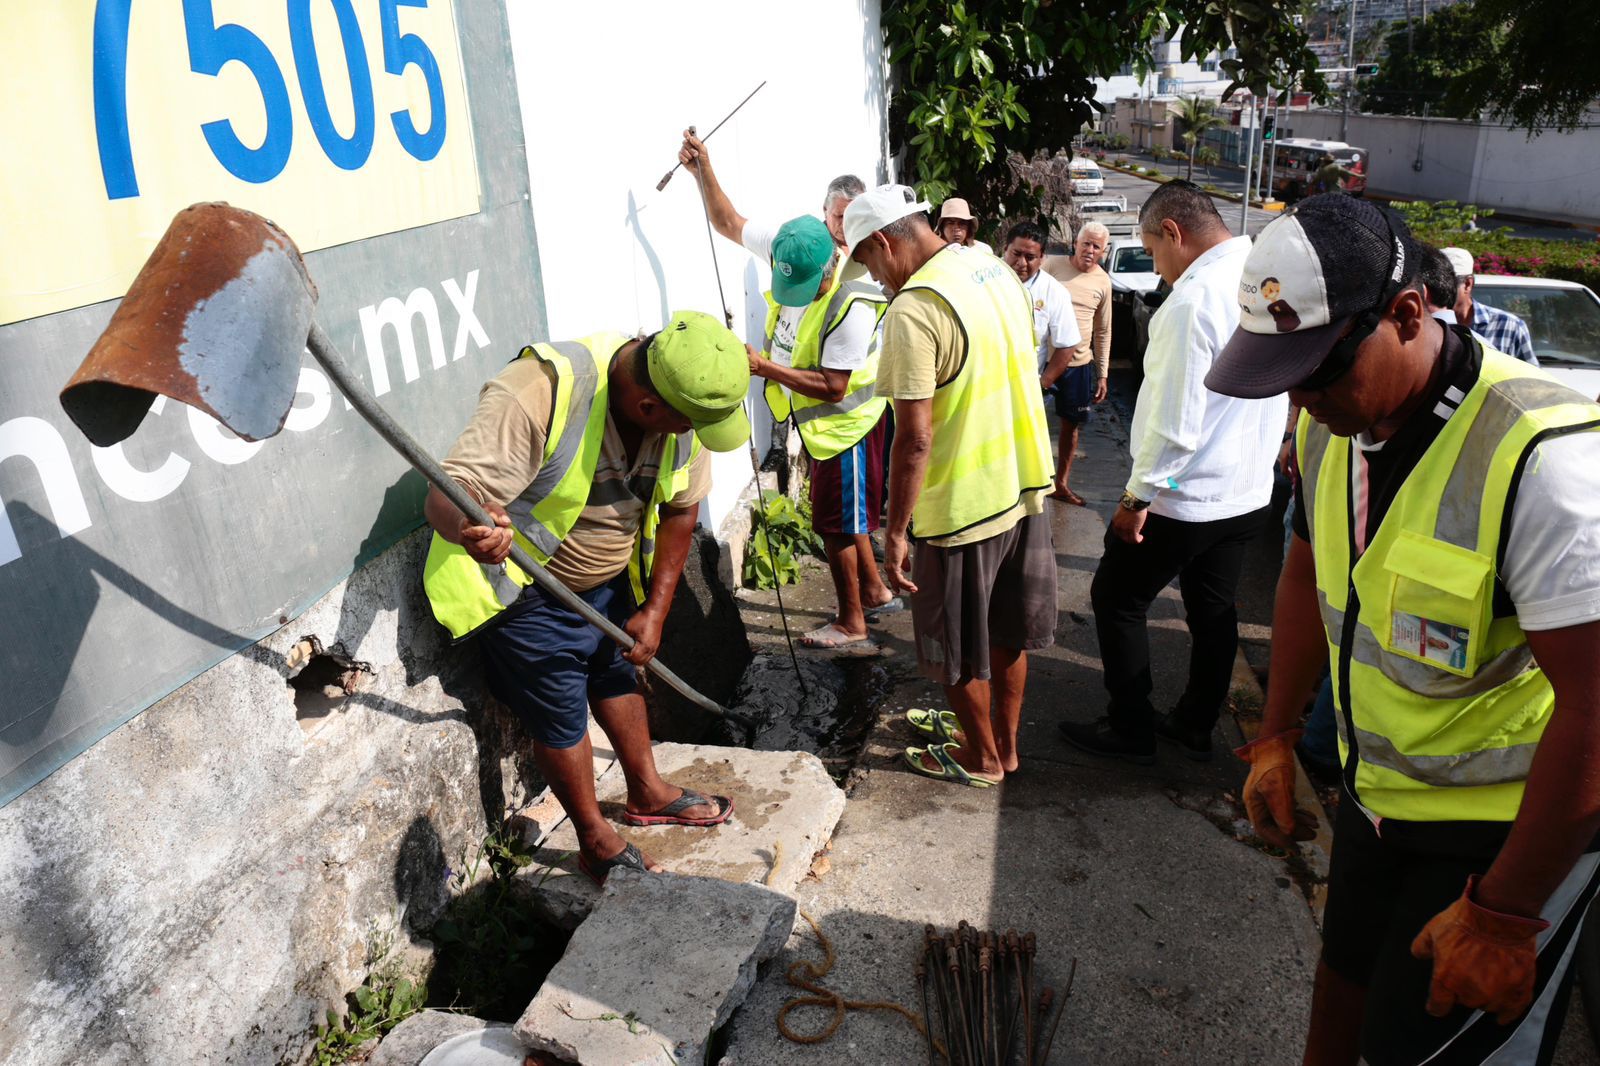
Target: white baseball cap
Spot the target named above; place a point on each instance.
(1460, 261)
(877, 208)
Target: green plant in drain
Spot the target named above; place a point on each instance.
(777, 543)
(386, 1000)
(491, 947)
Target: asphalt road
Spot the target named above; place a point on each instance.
(1137, 190)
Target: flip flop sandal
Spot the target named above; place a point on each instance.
(894, 606)
(941, 724)
(816, 641)
(598, 869)
(669, 815)
(949, 769)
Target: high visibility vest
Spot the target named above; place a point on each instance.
(465, 594)
(826, 428)
(990, 440)
(1440, 703)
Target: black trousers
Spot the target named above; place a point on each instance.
(1206, 558)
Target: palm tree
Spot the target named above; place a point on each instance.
(1198, 115)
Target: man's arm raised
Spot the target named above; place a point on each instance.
(724, 219)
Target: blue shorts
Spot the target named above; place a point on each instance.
(545, 663)
(1075, 392)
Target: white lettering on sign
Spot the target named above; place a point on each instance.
(468, 324)
(43, 445)
(313, 383)
(37, 441)
(131, 483)
(401, 317)
(398, 316)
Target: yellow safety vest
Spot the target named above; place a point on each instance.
(466, 595)
(1440, 703)
(826, 428)
(990, 440)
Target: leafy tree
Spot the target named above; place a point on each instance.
(1543, 74)
(1526, 61)
(1198, 115)
(1425, 60)
(983, 85)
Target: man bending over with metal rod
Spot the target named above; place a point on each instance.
(589, 455)
(820, 360)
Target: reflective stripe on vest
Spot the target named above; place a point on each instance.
(826, 428)
(466, 595)
(1445, 703)
(990, 440)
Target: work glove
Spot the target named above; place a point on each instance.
(1269, 790)
(1482, 959)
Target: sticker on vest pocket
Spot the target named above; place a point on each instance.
(1437, 642)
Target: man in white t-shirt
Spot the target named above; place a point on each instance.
(1055, 324)
(820, 356)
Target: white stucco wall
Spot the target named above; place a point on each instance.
(606, 91)
(1549, 176)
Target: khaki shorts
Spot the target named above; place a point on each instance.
(996, 593)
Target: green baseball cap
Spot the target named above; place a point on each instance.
(700, 367)
(800, 253)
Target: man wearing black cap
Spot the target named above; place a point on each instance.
(1447, 542)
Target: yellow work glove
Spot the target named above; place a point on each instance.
(1482, 959)
(1269, 790)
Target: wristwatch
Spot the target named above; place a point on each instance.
(1130, 502)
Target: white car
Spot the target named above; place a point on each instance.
(1563, 318)
(1132, 270)
(1133, 276)
(1085, 178)
(1106, 205)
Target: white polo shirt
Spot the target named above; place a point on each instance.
(1055, 324)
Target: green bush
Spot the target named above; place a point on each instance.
(1497, 252)
(777, 543)
(385, 1001)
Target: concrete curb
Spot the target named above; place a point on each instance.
(1244, 678)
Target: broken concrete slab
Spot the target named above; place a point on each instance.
(785, 808)
(410, 1042)
(658, 967)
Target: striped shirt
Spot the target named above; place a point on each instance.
(1503, 331)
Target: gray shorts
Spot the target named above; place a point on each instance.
(996, 593)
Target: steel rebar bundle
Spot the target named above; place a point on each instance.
(979, 999)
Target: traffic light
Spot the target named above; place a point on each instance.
(1366, 70)
(1269, 127)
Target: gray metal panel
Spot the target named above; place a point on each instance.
(98, 621)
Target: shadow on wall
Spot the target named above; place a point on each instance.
(876, 96)
(73, 592)
(650, 257)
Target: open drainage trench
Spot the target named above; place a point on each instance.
(491, 952)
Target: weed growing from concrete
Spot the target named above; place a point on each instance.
(386, 1000)
(492, 951)
(777, 544)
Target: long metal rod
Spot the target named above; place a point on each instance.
(364, 402)
(755, 460)
(662, 184)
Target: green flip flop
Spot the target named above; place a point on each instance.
(949, 769)
(941, 724)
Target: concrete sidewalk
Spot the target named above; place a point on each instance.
(1193, 944)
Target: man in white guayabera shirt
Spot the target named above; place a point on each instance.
(1199, 490)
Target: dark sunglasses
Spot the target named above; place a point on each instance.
(1342, 356)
